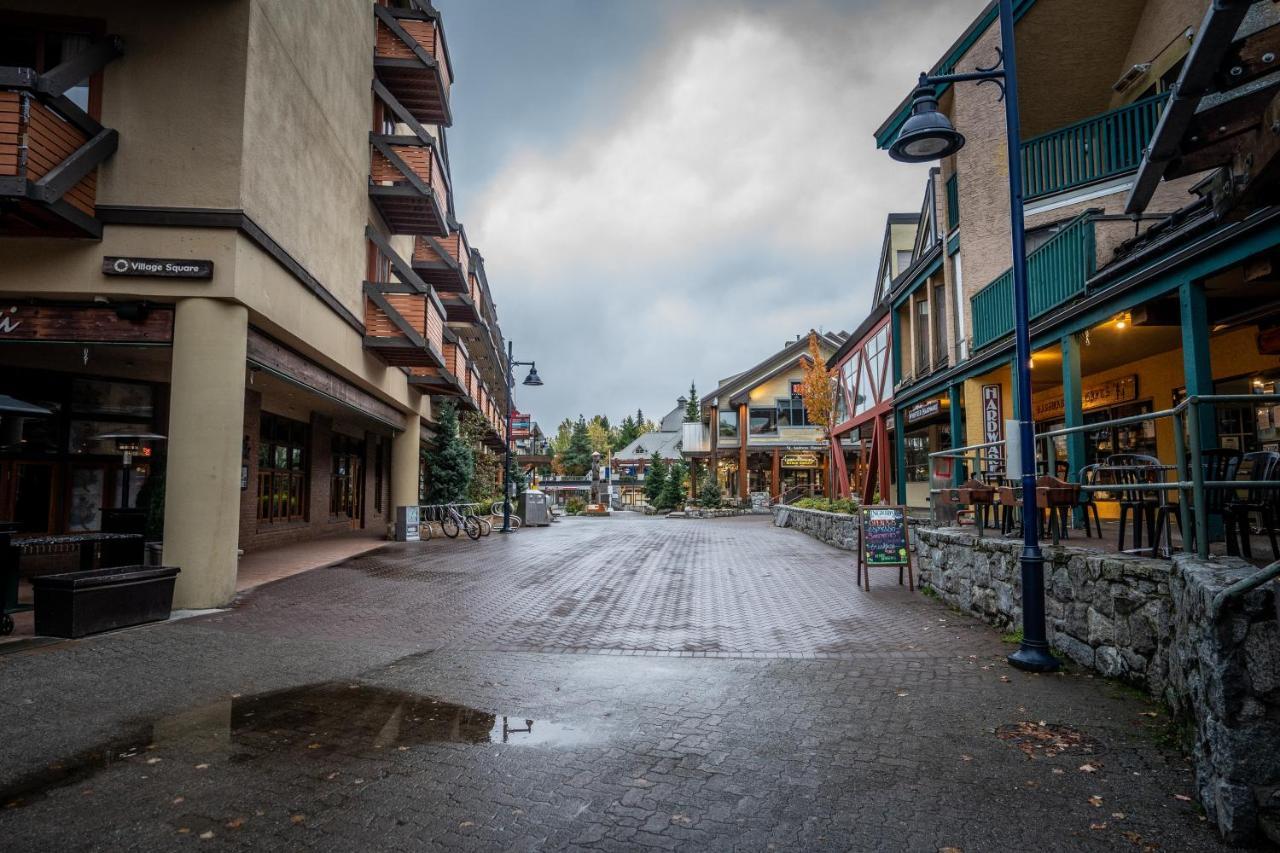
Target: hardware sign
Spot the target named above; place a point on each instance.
(157, 267)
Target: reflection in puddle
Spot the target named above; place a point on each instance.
(352, 720)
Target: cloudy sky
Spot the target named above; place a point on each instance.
(667, 190)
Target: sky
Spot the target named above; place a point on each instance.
(667, 191)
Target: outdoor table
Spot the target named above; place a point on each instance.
(1053, 498)
(96, 550)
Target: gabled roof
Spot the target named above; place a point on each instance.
(784, 357)
(666, 443)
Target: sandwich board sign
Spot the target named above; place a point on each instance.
(883, 541)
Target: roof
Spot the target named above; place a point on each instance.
(671, 421)
(666, 443)
(772, 364)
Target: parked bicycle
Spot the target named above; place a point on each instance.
(453, 519)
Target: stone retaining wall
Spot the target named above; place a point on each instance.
(834, 528)
(1151, 623)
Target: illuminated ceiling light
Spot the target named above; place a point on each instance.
(1124, 320)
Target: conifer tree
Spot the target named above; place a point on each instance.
(577, 456)
(673, 487)
(450, 462)
(692, 411)
(654, 478)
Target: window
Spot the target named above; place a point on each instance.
(920, 324)
(43, 44)
(904, 259)
(764, 421)
(378, 266)
(939, 324)
(791, 412)
(282, 470)
(728, 424)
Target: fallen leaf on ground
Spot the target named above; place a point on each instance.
(1102, 825)
(1004, 678)
(1182, 797)
(467, 823)
(235, 823)
(1095, 801)
(950, 850)
(182, 830)
(1088, 768)
(313, 746)
(1149, 714)
(966, 758)
(297, 819)
(1118, 815)
(154, 760)
(202, 766)
(207, 834)
(177, 800)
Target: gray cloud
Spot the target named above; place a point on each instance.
(725, 196)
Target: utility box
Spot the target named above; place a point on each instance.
(534, 508)
(408, 527)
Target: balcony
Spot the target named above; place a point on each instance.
(50, 149)
(1056, 273)
(448, 379)
(412, 62)
(403, 318)
(408, 185)
(1094, 149)
(444, 262)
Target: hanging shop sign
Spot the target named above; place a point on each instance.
(924, 410)
(124, 323)
(520, 425)
(800, 459)
(1100, 396)
(992, 419)
(157, 267)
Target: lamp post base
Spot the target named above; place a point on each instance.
(505, 530)
(1034, 659)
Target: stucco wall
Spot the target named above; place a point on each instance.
(308, 113)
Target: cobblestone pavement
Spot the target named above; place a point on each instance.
(619, 684)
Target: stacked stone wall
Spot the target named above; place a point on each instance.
(834, 528)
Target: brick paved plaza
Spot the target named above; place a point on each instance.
(693, 685)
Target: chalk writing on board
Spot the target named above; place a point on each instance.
(884, 536)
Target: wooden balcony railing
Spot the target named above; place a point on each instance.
(1056, 272)
(1093, 149)
(444, 262)
(403, 319)
(408, 184)
(50, 149)
(412, 61)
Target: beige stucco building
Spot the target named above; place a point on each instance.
(313, 300)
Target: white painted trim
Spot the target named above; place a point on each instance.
(1065, 199)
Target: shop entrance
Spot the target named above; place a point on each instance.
(27, 492)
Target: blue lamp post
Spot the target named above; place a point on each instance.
(928, 135)
(533, 380)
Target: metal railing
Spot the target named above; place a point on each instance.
(1056, 272)
(1093, 149)
(1191, 484)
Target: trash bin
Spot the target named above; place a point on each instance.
(408, 524)
(534, 508)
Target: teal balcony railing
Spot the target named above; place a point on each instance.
(953, 203)
(1056, 272)
(1093, 149)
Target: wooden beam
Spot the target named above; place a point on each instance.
(742, 451)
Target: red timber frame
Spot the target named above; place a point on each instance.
(861, 374)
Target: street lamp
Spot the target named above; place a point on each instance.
(928, 135)
(534, 380)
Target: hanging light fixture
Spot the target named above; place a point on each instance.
(926, 134)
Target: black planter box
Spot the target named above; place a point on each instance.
(76, 604)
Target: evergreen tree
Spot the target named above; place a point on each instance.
(576, 458)
(692, 411)
(673, 488)
(654, 478)
(711, 495)
(450, 461)
(627, 433)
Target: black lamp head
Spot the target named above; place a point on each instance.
(927, 134)
(533, 378)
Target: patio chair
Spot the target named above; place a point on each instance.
(1219, 463)
(1130, 476)
(1263, 500)
(1088, 504)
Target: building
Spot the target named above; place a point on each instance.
(631, 463)
(864, 391)
(754, 434)
(231, 227)
(1149, 173)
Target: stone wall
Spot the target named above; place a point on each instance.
(834, 528)
(1152, 623)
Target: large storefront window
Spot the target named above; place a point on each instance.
(764, 421)
(791, 412)
(282, 470)
(1137, 438)
(728, 424)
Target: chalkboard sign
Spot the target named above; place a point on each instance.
(884, 542)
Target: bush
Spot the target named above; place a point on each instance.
(574, 506)
(846, 506)
(711, 496)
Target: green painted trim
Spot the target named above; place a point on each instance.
(1073, 403)
(900, 454)
(895, 344)
(889, 130)
(955, 395)
(953, 244)
(1197, 369)
(917, 280)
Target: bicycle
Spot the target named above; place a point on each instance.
(454, 522)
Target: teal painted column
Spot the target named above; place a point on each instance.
(900, 454)
(955, 397)
(1073, 408)
(1196, 367)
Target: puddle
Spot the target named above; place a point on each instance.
(331, 719)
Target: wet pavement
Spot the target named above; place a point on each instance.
(604, 684)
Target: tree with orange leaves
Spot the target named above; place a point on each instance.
(817, 390)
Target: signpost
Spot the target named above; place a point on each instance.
(884, 541)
